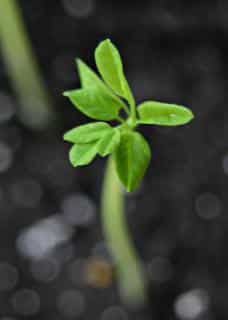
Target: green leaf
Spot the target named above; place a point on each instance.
(94, 103)
(132, 158)
(164, 114)
(109, 142)
(87, 76)
(87, 132)
(82, 154)
(110, 66)
(89, 79)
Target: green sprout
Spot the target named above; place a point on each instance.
(106, 100)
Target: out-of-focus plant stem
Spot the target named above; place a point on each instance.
(129, 270)
(22, 68)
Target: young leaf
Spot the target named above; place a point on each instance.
(163, 114)
(83, 154)
(132, 158)
(94, 103)
(89, 79)
(110, 66)
(87, 132)
(109, 142)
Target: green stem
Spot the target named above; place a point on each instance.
(129, 269)
(120, 119)
(131, 101)
(22, 68)
(133, 112)
(126, 109)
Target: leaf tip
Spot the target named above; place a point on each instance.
(78, 61)
(108, 40)
(104, 41)
(101, 45)
(73, 164)
(66, 93)
(79, 64)
(192, 116)
(65, 137)
(72, 161)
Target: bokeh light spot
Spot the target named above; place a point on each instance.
(41, 238)
(26, 193)
(6, 157)
(8, 276)
(79, 8)
(114, 313)
(45, 270)
(159, 269)
(78, 210)
(192, 304)
(98, 273)
(26, 302)
(71, 303)
(208, 205)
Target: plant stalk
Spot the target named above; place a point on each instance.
(22, 68)
(129, 270)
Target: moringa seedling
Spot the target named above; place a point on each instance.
(109, 98)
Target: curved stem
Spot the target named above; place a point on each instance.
(125, 108)
(131, 101)
(133, 112)
(36, 107)
(120, 119)
(129, 269)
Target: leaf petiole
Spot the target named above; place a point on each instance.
(126, 109)
(132, 103)
(120, 119)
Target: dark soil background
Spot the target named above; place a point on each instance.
(53, 261)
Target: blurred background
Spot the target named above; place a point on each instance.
(53, 261)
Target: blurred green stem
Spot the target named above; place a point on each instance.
(129, 270)
(22, 68)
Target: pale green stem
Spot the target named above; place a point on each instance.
(22, 68)
(129, 270)
(120, 119)
(126, 109)
(131, 101)
(133, 111)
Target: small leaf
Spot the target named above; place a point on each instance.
(87, 132)
(83, 154)
(109, 142)
(89, 79)
(164, 114)
(94, 103)
(110, 66)
(132, 158)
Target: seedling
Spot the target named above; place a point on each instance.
(107, 99)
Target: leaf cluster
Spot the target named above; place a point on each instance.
(102, 99)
